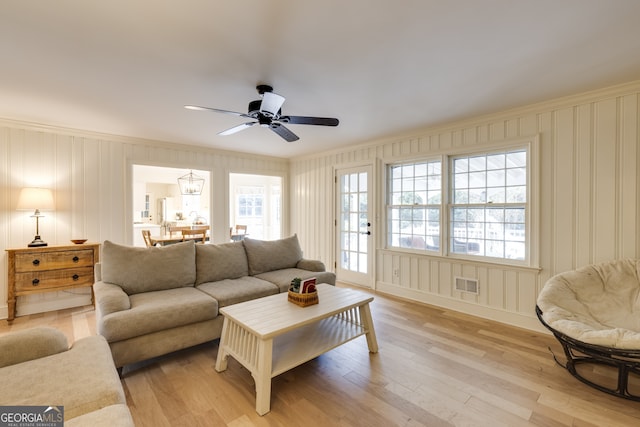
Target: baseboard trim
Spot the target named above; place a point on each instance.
(512, 319)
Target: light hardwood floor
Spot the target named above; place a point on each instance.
(435, 368)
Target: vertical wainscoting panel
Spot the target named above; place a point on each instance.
(584, 178)
(563, 191)
(606, 185)
(628, 176)
(588, 199)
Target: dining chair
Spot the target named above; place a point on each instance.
(178, 229)
(146, 235)
(200, 235)
(239, 233)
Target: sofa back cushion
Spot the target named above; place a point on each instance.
(269, 255)
(219, 262)
(138, 270)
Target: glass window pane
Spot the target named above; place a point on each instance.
(517, 159)
(477, 179)
(496, 161)
(461, 165)
(516, 176)
(362, 181)
(353, 182)
(495, 178)
(496, 195)
(461, 180)
(477, 163)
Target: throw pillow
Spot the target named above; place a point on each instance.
(219, 262)
(269, 255)
(138, 270)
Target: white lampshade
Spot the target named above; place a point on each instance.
(35, 199)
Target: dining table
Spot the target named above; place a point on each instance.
(169, 239)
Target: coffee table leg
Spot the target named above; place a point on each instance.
(367, 320)
(221, 360)
(262, 376)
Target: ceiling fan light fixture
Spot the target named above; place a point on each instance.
(267, 113)
(190, 184)
(271, 103)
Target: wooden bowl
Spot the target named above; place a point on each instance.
(78, 241)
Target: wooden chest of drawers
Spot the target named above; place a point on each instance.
(48, 269)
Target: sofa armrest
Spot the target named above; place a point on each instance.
(311, 265)
(97, 272)
(29, 344)
(110, 298)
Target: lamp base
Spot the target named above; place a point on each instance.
(37, 241)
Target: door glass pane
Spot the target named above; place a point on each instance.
(354, 222)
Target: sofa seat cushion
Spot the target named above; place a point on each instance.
(269, 255)
(234, 291)
(282, 278)
(156, 311)
(218, 262)
(138, 270)
(82, 379)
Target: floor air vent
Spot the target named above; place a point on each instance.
(467, 285)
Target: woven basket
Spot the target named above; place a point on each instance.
(303, 300)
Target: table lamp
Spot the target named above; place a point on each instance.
(36, 199)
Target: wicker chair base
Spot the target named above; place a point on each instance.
(626, 362)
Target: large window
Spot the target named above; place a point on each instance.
(415, 205)
(478, 206)
(488, 205)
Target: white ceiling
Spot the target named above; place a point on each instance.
(383, 67)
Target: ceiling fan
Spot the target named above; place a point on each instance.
(267, 113)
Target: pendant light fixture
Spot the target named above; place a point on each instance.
(190, 184)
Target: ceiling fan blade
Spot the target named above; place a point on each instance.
(198, 108)
(303, 120)
(271, 103)
(237, 128)
(283, 132)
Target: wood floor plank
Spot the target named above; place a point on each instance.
(435, 368)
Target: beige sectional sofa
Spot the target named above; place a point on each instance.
(38, 368)
(152, 301)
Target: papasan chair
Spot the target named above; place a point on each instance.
(594, 312)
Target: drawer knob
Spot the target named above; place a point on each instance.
(35, 282)
(75, 277)
(36, 262)
(76, 259)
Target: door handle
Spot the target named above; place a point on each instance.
(368, 233)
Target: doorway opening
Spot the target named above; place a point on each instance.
(159, 204)
(255, 201)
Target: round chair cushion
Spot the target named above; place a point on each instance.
(597, 304)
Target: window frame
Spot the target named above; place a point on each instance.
(532, 217)
(426, 206)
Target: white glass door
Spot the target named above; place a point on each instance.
(354, 226)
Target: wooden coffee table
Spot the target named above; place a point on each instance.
(270, 335)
